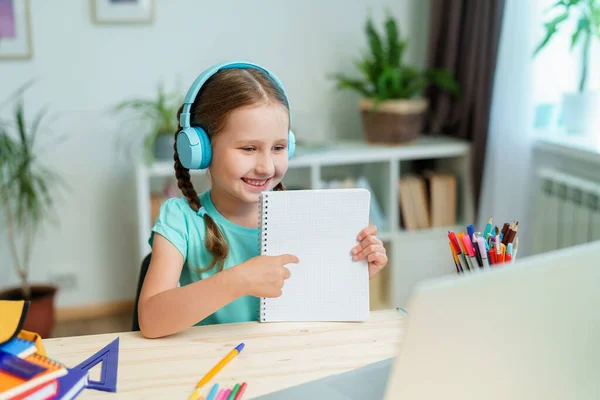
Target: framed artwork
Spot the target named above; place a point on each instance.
(15, 29)
(122, 11)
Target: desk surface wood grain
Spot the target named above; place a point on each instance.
(276, 355)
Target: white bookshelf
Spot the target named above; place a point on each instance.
(413, 255)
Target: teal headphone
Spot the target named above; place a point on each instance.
(193, 144)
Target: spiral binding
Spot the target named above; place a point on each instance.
(45, 361)
(263, 211)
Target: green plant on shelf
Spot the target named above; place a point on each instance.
(385, 74)
(160, 113)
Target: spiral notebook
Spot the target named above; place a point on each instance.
(22, 375)
(320, 227)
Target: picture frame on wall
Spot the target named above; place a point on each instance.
(15, 30)
(110, 12)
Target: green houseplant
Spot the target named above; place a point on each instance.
(161, 115)
(27, 191)
(392, 106)
(580, 106)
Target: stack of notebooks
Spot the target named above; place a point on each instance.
(428, 200)
(26, 374)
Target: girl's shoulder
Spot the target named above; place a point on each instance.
(177, 205)
(177, 211)
(178, 223)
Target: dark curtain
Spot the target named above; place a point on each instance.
(463, 38)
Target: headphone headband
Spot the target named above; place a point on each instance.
(184, 119)
(193, 143)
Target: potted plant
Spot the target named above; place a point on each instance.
(393, 106)
(26, 202)
(161, 115)
(580, 108)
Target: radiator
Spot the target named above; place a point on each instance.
(566, 210)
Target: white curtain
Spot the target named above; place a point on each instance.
(507, 171)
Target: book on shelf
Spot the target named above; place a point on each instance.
(427, 200)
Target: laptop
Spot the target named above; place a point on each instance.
(528, 330)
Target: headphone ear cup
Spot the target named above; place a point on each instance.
(291, 144)
(193, 148)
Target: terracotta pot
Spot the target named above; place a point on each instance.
(393, 121)
(40, 317)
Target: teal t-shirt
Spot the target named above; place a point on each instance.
(186, 229)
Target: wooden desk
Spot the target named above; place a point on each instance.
(276, 356)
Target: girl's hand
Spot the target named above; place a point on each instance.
(371, 248)
(264, 276)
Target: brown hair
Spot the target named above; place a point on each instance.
(221, 94)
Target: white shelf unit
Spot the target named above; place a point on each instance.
(413, 255)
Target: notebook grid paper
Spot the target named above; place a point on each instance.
(319, 227)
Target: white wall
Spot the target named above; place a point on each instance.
(82, 69)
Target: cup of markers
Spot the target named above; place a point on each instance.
(492, 248)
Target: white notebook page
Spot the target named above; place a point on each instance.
(320, 227)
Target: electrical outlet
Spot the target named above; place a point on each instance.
(64, 280)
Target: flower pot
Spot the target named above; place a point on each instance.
(163, 147)
(40, 316)
(393, 121)
(581, 112)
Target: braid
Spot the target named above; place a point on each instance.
(215, 242)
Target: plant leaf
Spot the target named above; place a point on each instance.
(551, 29)
(367, 68)
(445, 80)
(394, 46)
(354, 84)
(375, 45)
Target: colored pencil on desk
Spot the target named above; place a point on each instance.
(230, 356)
(234, 392)
(213, 392)
(513, 233)
(488, 228)
(504, 230)
(240, 392)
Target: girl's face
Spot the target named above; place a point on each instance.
(250, 154)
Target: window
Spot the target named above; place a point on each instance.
(557, 69)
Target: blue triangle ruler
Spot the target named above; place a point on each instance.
(109, 357)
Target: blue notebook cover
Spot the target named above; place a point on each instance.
(71, 384)
(18, 347)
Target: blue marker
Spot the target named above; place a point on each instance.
(213, 392)
(470, 231)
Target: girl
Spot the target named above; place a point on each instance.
(206, 266)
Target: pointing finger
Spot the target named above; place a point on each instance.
(288, 259)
